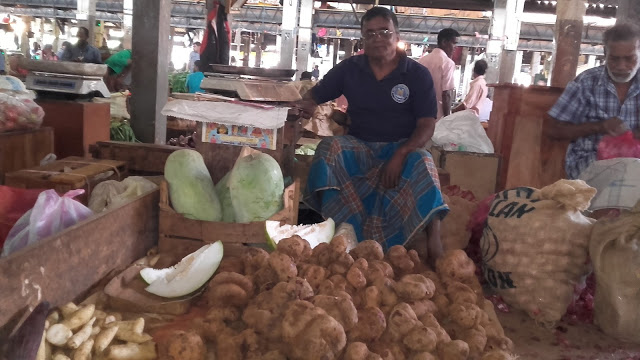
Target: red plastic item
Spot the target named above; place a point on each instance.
(623, 146)
(14, 203)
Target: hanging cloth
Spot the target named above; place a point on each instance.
(216, 40)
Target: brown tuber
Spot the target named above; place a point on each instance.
(229, 288)
(182, 345)
(359, 351)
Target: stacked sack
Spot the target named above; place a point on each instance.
(535, 246)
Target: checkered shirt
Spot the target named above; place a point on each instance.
(592, 97)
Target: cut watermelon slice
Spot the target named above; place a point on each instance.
(193, 271)
(314, 234)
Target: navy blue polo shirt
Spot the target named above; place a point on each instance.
(385, 110)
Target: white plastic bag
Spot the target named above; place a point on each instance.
(111, 193)
(51, 214)
(19, 114)
(462, 131)
(615, 253)
(535, 246)
(617, 182)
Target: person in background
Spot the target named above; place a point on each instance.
(82, 51)
(35, 51)
(48, 54)
(306, 75)
(478, 90)
(233, 61)
(3, 63)
(379, 178)
(195, 78)
(194, 56)
(119, 65)
(442, 68)
(315, 73)
(65, 45)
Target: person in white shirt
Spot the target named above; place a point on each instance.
(194, 55)
(442, 68)
(477, 90)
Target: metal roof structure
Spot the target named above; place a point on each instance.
(415, 28)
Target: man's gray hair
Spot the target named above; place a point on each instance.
(621, 32)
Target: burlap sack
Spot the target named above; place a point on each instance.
(615, 253)
(535, 246)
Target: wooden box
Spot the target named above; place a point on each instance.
(24, 149)
(181, 236)
(471, 171)
(69, 174)
(517, 131)
(145, 159)
(77, 125)
(65, 266)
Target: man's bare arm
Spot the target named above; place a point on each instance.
(561, 130)
(446, 102)
(421, 135)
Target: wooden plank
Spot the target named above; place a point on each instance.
(24, 149)
(62, 267)
(472, 171)
(141, 158)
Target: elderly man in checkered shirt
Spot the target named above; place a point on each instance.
(601, 101)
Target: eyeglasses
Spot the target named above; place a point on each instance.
(383, 34)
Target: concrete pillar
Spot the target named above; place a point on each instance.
(568, 37)
(305, 24)
(41, 34)
(535, 65)
(127, 23)
(288, 33)
(504, 36)
(24, 37)
(86, 16)
(246, 48)
(150, 78)
(259, 41)
(56, 33)
(336, 51)
(628, 11)
(518, 66)
(172, 33)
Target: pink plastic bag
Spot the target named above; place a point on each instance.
(14, 203)
(623, 146)
(51, 214)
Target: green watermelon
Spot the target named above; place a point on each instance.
(191, 189)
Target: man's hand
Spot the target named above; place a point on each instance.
(614, 127)
(392, 170)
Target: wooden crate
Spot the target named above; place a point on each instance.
(145, 159)
(63, 267)
(24, 149)
(182, 236)
(471, 171)
(77, 125)
(83, 174)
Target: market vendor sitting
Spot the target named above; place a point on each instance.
(379, 178)
(601, 101)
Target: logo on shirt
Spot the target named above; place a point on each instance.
(400, 93)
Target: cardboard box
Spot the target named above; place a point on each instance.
(471, 171)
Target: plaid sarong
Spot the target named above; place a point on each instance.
(344, 184)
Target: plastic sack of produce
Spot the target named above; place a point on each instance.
(14, 203)
(623, 146)
(51, 214)
(19, 114)
(111, 193)
(455, 231)
(462, 131)
(615, 253)
(535, 246)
